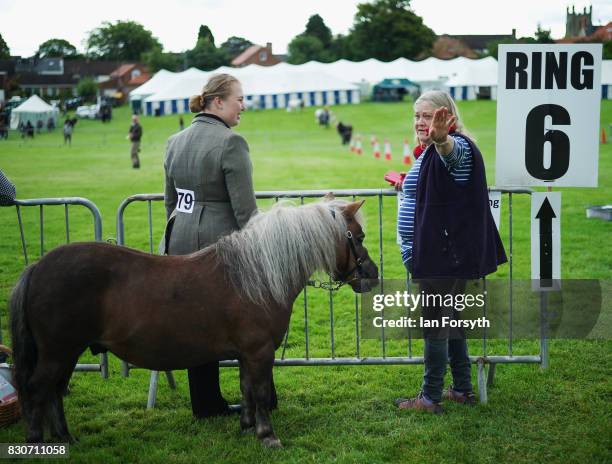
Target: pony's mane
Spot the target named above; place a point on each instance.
(278, 250)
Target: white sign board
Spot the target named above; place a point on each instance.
(546, 236)
(495, 206)
(548, 104)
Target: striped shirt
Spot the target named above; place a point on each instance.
(459, 164)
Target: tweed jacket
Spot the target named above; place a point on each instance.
(209, 186)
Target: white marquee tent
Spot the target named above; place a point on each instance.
(264, 87)
(34, 109)
(474, 80)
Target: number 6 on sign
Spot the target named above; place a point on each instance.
(536, 137)
(185, 202)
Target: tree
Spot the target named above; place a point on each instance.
(316, 27)
(87, 88)
(206, 33)
(543, 35)
(121, 41)
(313, 44)
(342, 47)
(234, 46)
(56, 48)
(388, 29)
(156, 59)
(205, 56)
(304, 48)
(5, 53)
(607, 50)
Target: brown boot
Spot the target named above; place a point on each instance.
(420, 403)
(462, 398)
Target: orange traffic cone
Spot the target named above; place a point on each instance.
(407, 159)
(387, 151)
(358, 147)
(376, 149)
(603, 136)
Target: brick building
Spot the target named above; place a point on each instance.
(256, 54)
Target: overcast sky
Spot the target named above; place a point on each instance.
(25, 24)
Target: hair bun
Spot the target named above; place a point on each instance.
(195, 104)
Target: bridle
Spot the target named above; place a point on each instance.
(336, 284)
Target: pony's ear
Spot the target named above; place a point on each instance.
(351, 209)
(329, 196)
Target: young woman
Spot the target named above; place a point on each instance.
(209, 193)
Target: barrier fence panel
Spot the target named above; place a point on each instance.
(484, 359)
(102, 367)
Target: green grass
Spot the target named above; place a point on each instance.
(342, 414)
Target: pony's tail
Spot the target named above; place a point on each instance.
(25, 352)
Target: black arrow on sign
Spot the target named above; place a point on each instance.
(546, 215)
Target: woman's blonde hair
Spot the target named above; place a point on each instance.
(219, 85)
(438, 99)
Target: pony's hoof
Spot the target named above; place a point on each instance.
(271, 442)
(248, 430)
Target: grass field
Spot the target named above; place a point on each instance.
(339, 414)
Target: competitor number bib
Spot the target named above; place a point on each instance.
(186, 199)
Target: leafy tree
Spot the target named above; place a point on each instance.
(121, 41)
(205, 33)
(389, 29)
(342, 47)
(5, 53)
(304, 48)
(157, 59)
(234, 46)
(543, 35)
(607, 50)
(205, 56)
(312, 44)
(56, 48)
(316, 27)
(87, 88)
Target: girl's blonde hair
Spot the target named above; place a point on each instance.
(219, 85)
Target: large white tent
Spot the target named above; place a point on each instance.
(264, 87)
(34, 109)
(475, 80)
(316, 83)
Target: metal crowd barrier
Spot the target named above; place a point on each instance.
(485, 377)
(102, 367)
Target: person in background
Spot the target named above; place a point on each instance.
(134, 135)
(3, 127)
(209, 193)
(29, 130)
(324, 117)
(181, 123)
(68, 128)
(447, 237)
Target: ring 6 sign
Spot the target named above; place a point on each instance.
(548, 103)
